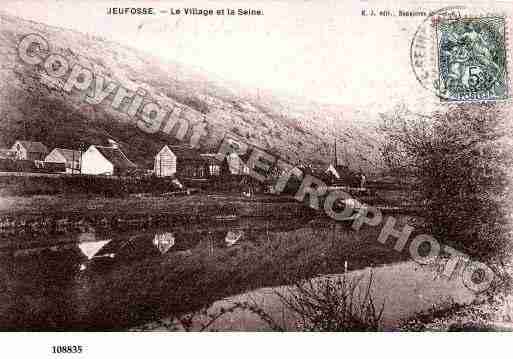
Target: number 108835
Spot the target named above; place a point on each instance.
(67, 349)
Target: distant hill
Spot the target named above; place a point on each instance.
(296, 129)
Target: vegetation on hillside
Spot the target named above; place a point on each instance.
(34, 110)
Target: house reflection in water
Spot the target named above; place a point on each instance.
(90, 249)
(164, 241)
(89, 245)
(233, 237)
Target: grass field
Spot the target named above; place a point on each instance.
(82, 204)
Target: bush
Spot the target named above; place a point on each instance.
(334, 304)
(25, 185)
(461, 160)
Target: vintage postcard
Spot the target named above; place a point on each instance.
(251, 166)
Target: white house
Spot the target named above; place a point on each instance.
(100, 160)
(70, 158)
(28, 150)
(181, 161)
(165, 163)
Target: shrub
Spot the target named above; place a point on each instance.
(334, 304)
(461, 160)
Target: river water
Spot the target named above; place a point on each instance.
(402, 289)
(79, 281)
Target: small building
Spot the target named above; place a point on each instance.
(333, 171)
(101, 160)
(7, 154)
(339, 172)
(213, 165)
(320, 171)
(236, 164)
(165, 163)
(180, 161)
(333, 174)
(348, 177)
(233, 164)
(70, 158)
(28, 150)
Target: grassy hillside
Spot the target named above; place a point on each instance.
(295, 129)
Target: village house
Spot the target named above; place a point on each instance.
(70, 159)
(213, 165)
(337, 172)
(7, 154)
(101, 160)
(236, 164)
(332, 170)
(180, 161)
(28, 150)
(333, 174)
(343, 175)
(165, 163)
(327, 173)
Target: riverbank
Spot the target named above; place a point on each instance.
(490, 314)
(64, 213)
(61, 214)
(401, 289)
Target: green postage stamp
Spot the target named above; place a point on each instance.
(472, 61)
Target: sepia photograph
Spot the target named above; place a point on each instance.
(255, 166)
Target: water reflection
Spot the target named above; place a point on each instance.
(101, 280)
(232, 237)
(91, 249)
(164, 241)
(57, 282)
(34, 285)
(154, 244)
(404, 289)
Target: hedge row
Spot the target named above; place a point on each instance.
(98, 185)
(7, 165)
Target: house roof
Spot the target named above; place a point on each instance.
(342, 168)
(33, 146)
(317, 168)
(162, 150)
(186, 153)
(210, 158)
(116, 157)
(69, 155)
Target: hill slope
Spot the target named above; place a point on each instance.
(295, 129)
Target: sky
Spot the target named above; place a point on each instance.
(323, 50)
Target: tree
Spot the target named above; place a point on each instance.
(461, 161)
